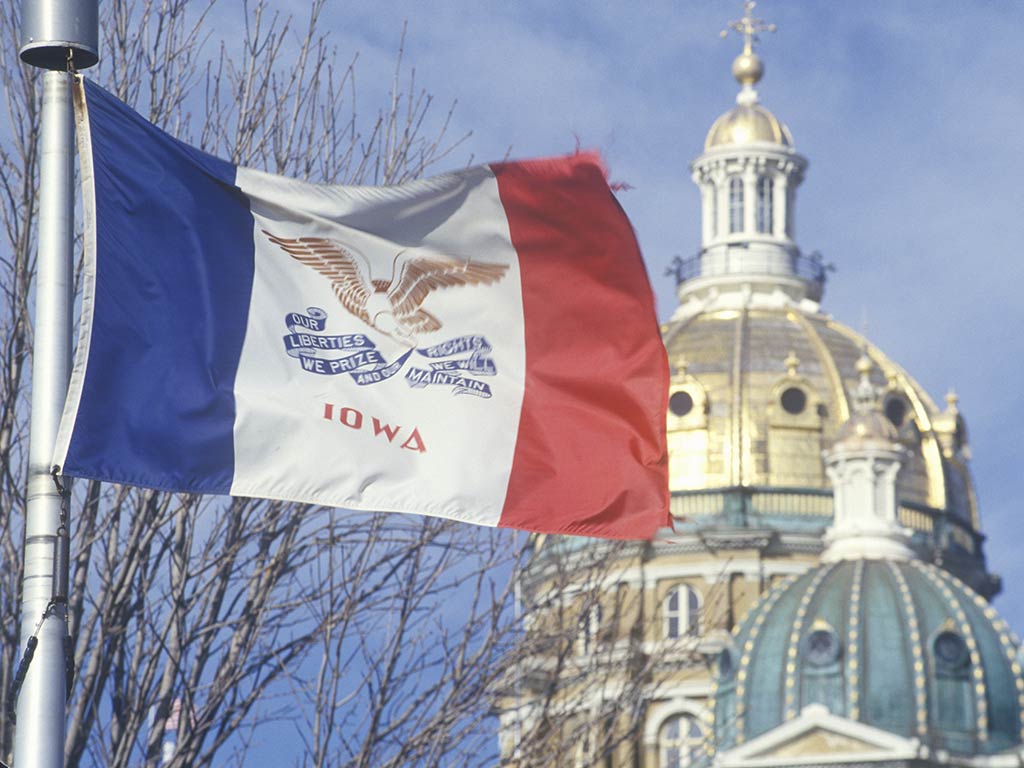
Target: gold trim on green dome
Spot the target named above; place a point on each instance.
(853, 640)
(920, 681)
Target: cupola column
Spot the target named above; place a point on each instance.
(708, 192)
(721, 211)
(780, 205)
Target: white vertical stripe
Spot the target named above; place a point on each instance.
(80, 362)
(284, 446)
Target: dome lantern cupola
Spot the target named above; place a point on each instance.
(748, 175)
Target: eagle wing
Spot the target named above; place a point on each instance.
(338, 264)
(419, 276)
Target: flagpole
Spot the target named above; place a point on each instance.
(57, 36)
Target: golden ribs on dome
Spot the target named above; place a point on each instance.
(764, 421)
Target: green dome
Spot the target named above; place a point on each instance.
(901, 646)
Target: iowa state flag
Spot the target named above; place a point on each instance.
(479, 346)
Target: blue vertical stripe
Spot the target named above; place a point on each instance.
(174, 272)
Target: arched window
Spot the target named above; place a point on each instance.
(764, 204)
(680, 742)
(681, 611)
(951, 658)
(735, 204)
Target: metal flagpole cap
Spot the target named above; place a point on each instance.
(51, 29)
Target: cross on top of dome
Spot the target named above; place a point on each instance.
(748, 26)
(747, 67)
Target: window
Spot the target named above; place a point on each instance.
(589, 627)
(951, 651)
(682, 612)
(794, 400)
(764, 204)
(725, 664)
(680, 742)
(896, 410)
(680, 403)
(821, 647)
(952, 702)
(789, 211)
(585, 751)
(735, 204)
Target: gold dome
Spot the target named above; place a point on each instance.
(744, 124)
(764, 391)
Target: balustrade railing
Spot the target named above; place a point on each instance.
(809, 508)
(809, 267)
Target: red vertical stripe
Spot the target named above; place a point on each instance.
(590, 455)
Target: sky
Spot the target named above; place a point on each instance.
(910, 114)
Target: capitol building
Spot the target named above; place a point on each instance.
(823, 596)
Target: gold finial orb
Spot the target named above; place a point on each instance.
(748, 68)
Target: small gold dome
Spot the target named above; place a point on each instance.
(871, 427)
(744, 124)
(868, 425)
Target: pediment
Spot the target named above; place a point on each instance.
(820, 741)
(817, 736)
